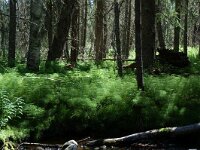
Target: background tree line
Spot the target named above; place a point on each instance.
(72, 29)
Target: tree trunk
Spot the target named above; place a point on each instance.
(3, 47)
(156, 134)
(61, 31)
(12, 34)
(36, 12)
(105, 31)
(148, 32)
(177, 28)
(125, 27)
(159, 28)
(117, 35)
(49, 23)
(199, 32)
(75, 34)
(83, 33)
(128, 31)
(139, 63)
(98, 45)
(185, 38)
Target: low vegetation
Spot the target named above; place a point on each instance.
(90, 100)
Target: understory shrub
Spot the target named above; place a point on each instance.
(96, 102)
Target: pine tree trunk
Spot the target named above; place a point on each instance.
(49, 23)
(194, 35)
(83, 33)
(12, 34)
(117, 35)
(75, 34)
(185, 38)
(139, 63)
(125, 28)
(128, 31)
(159, 28)
(3, 47)
(98, 45)
(177, 28)
(33, 59)
(105, 31)
(61, 31)
(148, 32)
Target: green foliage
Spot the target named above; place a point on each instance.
(9, 108)
(92, 100)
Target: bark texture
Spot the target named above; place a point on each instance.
(62, 31)
(12, 34)
(117, 35)
(75, 34)
(139, 62)
(37, 13)
(98, 45)
(148, 32)
(177, 27)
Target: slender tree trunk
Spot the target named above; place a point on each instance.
(128, 31)
(66, 51)
(84, 27)
(148, 32)
(199, 31)
(185, 38)
(3, 47)
(98, 45)
(74, 34)
(138, 47)
(12, 34)
(61, 31)
(105, 30)
(49, 23)
(117, 35)
(177, 28)
(194, 35)
(33, 59)
(159, 28)
(125, 28)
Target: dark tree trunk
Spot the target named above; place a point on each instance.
(36, 12)
(105, 30)
(148, 32)
(98, 45)
(12, 34)
(194, 35)
(199, 32)
(61, 31)
(49, 21)
(125, 27)
(159, 28)
(185, 38)
(117, 35)
(74, 34)
(139, 63)
(66, 51)
(3, 47)
(83, 33)
(177, 28)
(128, 31)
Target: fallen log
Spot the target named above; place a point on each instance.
(38, 146)
(168, 132)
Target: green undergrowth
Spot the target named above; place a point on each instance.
(93, 101)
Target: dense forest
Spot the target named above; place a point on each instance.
(72, 69)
